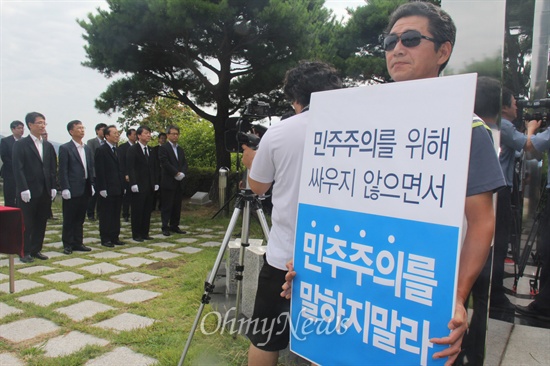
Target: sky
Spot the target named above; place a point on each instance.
(41, 51)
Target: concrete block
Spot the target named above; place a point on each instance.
(200, 198)
(232, 260)
(253, 262)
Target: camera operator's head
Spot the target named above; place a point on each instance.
(309, 77)
(509, 108)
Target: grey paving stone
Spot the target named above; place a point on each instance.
(188, 250)
(102, 268)
(163, 245)
(3, 255)
(84, 309)
(46, 298)
(52, 232)
(203, 230)
(122, 356)
(164, 255)
(9, 359)
(20, 286)
(57, 244)
(125, 321)
(70, 343)
(135, 262)
(6, 310)
(53, 254)
(211, 244)
(35, 269)
(6, 262)
(92, 233)
(65, 276)
(158, 236)
(97, 286)
(135, 295)
(90, 240)
(73, 262)
(206, 236)
(108, 255)
(187, 240)
(4, 277)
(23, 330)
(136, 250)
(527, 346)
(134, 277)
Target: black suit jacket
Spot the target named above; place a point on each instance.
(31, 172)
(170, 166)
(108, 173)
(6, 147)
(71, 169)
(141, 170)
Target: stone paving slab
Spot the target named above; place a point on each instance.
(65, 276)
(136, 250)
(6, 310)
(51, 232)
(188, 250)
(526, 340)
(97, 286)
(203, 230)
(57, 244)
(158, 236)
(4, 277)
(20, 286)
(92, 232)
(35, 269)
(73, 262)
(206, 236)
(135, 295)
(53, 254)
(108, 255)
(102, 268)
(9, 359)
(6, 262)
(211, 244)
(70, 343)
(164, 255)
(84, 309)
(187, 240)
(23, 330)
(122, 356)
(125, 322)
(135, 262)
(134, 277)
(163, 245)
(46, 298)
(91, 240)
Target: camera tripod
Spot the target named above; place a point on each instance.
(246, 201)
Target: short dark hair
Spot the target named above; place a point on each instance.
(71, 124)
(173, 127)
(309, 77)
(107, 128)
(15, 124)
(440, 24)
(507, 97)
(32, 116)
(141, 129)
(100, 126)
(487, 97)
(162, 134)
(129, 132)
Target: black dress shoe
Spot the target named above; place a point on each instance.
(27, 259)
(532, 311)
(39, 255)
(67, 251)
(137, 239)
(148, 238)
(165, 232)
(82, 248)
(108, 244)
(177, 230)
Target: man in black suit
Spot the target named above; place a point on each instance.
(143, 180)
(6, 147)
(75, 176)
(173, 169)
(34, 167)
(109, 182)
(161, 141)
(94, 144)
(122, 150)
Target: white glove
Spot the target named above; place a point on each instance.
(179, 176)
(135, 188)
(103, 194)
(93, 190)
(66, 194)
(156, 187)
(54, 193)
(26, 196)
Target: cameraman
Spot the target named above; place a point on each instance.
(279, 158)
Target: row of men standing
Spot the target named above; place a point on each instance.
(30, 168)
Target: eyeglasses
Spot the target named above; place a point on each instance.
(410, 38)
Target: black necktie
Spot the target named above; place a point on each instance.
(146, 152)
(114, 150)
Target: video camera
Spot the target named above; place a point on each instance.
(242, 130)
(537, 110)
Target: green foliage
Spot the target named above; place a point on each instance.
(197, 139)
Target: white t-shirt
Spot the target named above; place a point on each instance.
(279, 160)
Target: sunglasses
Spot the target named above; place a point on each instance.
(410, 38)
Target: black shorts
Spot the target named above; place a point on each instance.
(268, 328)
